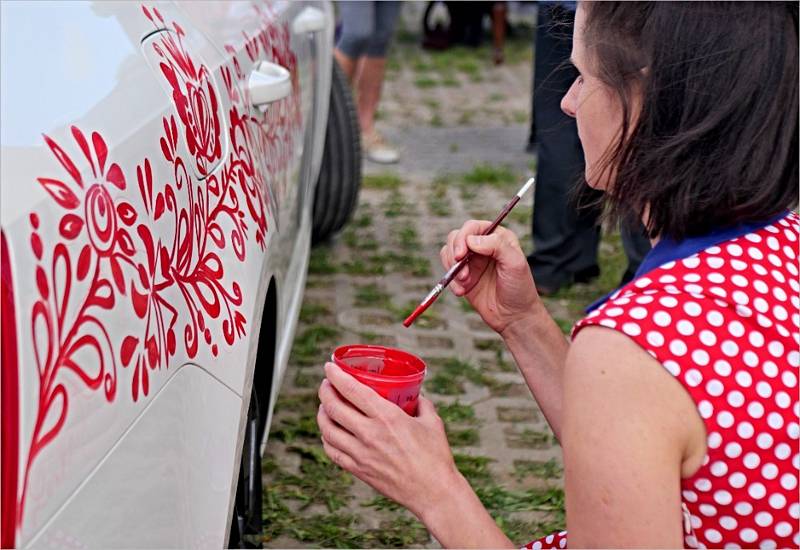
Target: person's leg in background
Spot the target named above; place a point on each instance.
(565, 240)
(371, 72)
(367, 29)
(358, 26)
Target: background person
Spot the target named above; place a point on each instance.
(676, 404)
(565, 238)
(367, 29)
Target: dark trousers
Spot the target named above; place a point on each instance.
(565, 239)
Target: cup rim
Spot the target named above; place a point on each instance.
(415, 377)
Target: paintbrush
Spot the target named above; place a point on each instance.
(453, 271)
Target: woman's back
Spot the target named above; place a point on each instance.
(722, 314)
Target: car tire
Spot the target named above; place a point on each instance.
(246, 522)
(339, 180)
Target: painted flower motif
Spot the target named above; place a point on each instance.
(195, 100)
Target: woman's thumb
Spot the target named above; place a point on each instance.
(425, 408)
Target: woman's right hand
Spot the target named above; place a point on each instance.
(497, 280)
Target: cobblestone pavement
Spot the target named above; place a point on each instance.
(462, 158)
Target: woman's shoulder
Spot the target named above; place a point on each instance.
(736, 302)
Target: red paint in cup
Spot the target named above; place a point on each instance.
(395, 374)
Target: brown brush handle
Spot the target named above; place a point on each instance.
(459, 265)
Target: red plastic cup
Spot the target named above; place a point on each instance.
(395, 374)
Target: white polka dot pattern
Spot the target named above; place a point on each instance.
(724, 323)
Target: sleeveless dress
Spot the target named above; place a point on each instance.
(721, 313)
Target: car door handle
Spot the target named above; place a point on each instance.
(309, 20)
(268, 82)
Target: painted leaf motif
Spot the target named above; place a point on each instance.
(126, 213)
(100, 149)
(127, 349)
(70, 226)
(62, 194)
(84, 261)
(116, 176)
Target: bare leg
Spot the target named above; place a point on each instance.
(368, 86)
(348, 64)
(499, 30)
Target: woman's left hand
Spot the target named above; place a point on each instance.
(406, 458)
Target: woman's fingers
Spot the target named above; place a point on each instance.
(339, 410)
(502, 246)
(335, 434)
(339, 457)
(359, 395)
(470, 227)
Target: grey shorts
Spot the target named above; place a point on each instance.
(367, 27)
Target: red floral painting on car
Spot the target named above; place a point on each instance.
(107, 256)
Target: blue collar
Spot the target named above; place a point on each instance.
(668, 250)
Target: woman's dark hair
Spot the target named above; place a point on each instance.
(714, 143)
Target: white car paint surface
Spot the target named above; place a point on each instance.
(147, 207)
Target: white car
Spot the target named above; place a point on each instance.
(159, 165)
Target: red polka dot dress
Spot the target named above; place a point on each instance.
(724, 320)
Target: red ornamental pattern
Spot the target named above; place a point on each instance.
(95, 267)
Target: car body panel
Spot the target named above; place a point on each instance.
(147, 206)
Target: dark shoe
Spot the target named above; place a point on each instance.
(548, 288)
(587, 274)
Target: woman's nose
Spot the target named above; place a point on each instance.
(568, 102)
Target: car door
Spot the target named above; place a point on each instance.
(295, 36)
(129, 240)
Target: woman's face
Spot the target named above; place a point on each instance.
(595, 108)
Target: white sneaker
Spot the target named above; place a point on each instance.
(378, 150)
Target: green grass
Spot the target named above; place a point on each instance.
(370, 295)
(463, 438)
(395, 205)
(319, 262)
(528, 438)
(436, 120)
(425, 82)
(496, 97)
(483, 173)
(434, 104)
(362, 220)
(468, 66)
(456, 413)
(381, 263)
(519, 116)
(537, 468)
(311, 312)
(447, 376)
(465, 118)
(308, 377)
(451, 81)
(521, 214)
(359, 240)
(489, 344)
(474, 468)
(437, 198)
(382, 181)
(407, 238)
(312, 343)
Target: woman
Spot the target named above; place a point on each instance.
(676, 404)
